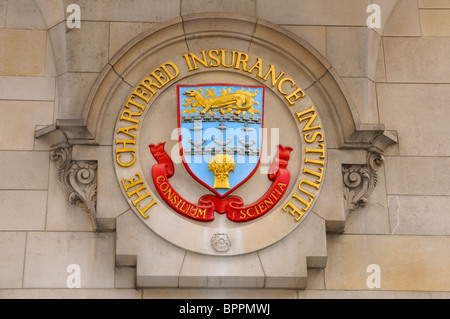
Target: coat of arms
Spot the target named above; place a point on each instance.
(220, 129)
(220, 138)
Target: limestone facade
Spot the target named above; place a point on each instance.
(382, 94)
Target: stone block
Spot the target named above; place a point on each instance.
(149, 50)
(314, 35)
(114, 102)
(435, 23)
(224, 293)
(380, 74)
(221, 272)
(24, 54)
(215, 32)
(404, 20)
(125, 277)
(58, 294)
(24, 14)
(417, 176)
(121, 33)
(312, 12)
(118, 10)
(3, 9)
(363, 93)
(24, 170)
(80, 50)
(18, 132)
(300, 55)
(362, 294)
(73, 90)
(316, 279)
(53, 11)
(353, 51)
(407, 263)
(48, 255)
(27, 88)
(12, 251)
(303, 247)
(425, 135)
(50, 67)
(419, 215)
(435, 4)
(158, 262)
(428, 64)
(247, 7)
(23, 210)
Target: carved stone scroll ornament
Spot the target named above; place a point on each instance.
(78, 179)
(361, 180)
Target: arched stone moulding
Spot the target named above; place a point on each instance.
(244, 33)
(197, 32)
(348, 142)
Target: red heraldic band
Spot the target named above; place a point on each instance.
(233, 206)
(161, 174)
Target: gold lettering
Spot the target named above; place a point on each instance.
(272, 73)
(281, 83)
(310, 172)
(142, 94)
(132, 182)
(216, 59)
(141, 192)
(174, 67)
(223, 59)
(146, 208)
(313, 138)
(126, 164)
(159, 76)
(124, 143)
(308, 183)
(130, 101)
(263, 208)
(304, 202)
(126, 130)
(148, 83)
(201, 213)
(240, 60)
(258, 66)
(310, 119)
(196, 59)
(321, 150)
(307, 161)
(188, 62)
(293, 211)
(305, 181)
(295, 96)
(120, 151)
(165, 185)
(127, 115)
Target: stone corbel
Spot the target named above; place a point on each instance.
(78, 179)
(361, 180)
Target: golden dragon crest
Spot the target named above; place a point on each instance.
(237, 102)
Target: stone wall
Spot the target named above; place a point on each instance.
(397, 75)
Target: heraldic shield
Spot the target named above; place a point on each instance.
(220, 129)
(220, 138)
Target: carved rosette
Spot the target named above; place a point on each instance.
(361, 180)
(221, 242)
(78, 179)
